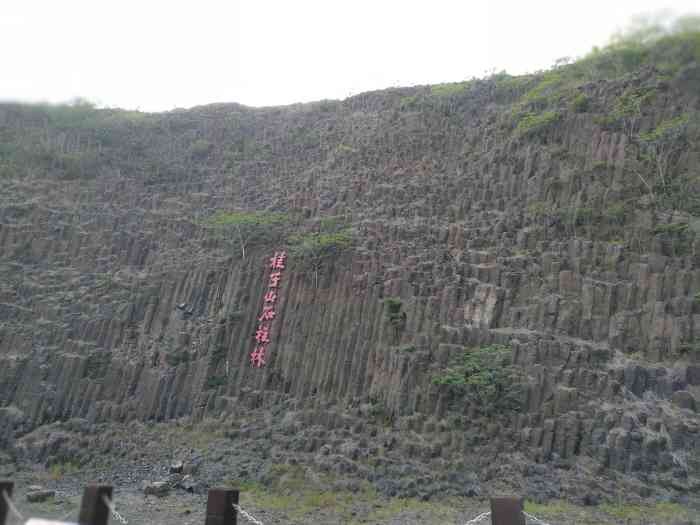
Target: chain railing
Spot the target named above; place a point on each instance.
(11, 507)
(221, 502)
(478, 519)
(113, 510)
(484, 515)
(535, 519)
(252, 519)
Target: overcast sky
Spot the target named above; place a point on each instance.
(161, 54)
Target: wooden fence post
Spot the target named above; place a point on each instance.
(93, 509)
(220, 509)
(6, 488)
(507, 511)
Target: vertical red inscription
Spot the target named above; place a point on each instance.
(262, 334)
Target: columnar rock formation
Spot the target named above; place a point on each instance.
(118, 303)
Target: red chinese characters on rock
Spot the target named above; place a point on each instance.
(262, 334)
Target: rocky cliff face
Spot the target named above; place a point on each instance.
(521, 212)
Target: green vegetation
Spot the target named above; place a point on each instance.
(395, 315)
(531, 124)
(581, 103)
(626, 512)
(691, 348)
(552, 509)
(676, 235)
(669, 47)
(314, 249)
(200, 148)
(343, 149)
(676, 229)
(256, 218)
(627, 110)
(662, 512)
(320, 243)
(545, 92)
(245, 227)
(289, 489)
(509, 87)
(576, 216)
(539, 209)
(668, 131)
(659, 150)
(485, 376)
(408, 102)
(615, 214)
(58, 471)
(97, 364)
(449, 89)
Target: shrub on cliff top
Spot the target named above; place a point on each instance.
(449, 89)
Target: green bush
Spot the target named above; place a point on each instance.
(676, 229)
(581, 103)
(200, 148)
(245, 227)
(672, 46)
(449, 89)
(677, 236)
(313, 249)
(531, 124)
(393, 310)
(539, 209)
(669, 130)
(541, 93)
(485, 375)
(408, 102)
(615, 213)
(316, 243)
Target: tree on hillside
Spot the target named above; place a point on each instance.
(244, 227)
(315, 248)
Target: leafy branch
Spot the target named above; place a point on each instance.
(245, 226)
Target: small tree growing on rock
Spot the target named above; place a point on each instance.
(314, 249)
(245, 226)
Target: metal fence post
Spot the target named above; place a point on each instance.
(220, 510)
(507, 510)
(5, 488)
(93, 509)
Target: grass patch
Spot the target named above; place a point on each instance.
(449, 89)
(658, 513)
(560, 510)
(292, 493)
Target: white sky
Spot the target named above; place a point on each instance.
(160, 54)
